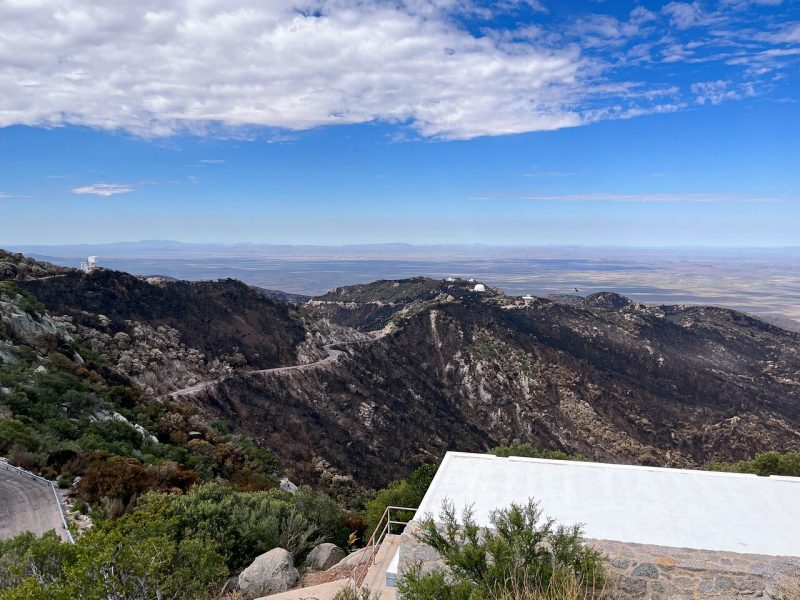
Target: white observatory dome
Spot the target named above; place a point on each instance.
(479, 287)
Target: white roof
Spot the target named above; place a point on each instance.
(647, 505)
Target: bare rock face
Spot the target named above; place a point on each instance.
(324, 557)
(270, 573)
(27, 328)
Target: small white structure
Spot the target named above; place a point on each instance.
(527, 299)
(707, 511)
(479, 287)
(89, 265)
(450, 279)
(681, 508)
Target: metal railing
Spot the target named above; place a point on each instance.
(43, 481)
(368, 553)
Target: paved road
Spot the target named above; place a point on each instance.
(333, 355)
(27, 504)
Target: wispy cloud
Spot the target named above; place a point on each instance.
(714, 92)
(211, 161)
(685, 15)
(745, 4)
(537, 172)
(4, 196)
(282, 138)
(788, 34)
(649, 198)
(103, 189)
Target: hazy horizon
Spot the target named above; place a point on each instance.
(761, 281)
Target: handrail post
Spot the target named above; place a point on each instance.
(370, 551)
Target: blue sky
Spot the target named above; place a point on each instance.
(427, 121)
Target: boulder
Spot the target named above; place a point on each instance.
(288, 486)
(270, 573)
(324, 557)
(352, 559)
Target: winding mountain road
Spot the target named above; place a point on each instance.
(27, 504)
(333, 356)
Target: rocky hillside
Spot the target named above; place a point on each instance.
(18, 267)
(446, 367)
(225, 320)
(603, 376)
(376, 305)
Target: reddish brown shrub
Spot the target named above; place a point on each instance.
(113, 477)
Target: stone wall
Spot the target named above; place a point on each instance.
(659, 572)
(639, 571)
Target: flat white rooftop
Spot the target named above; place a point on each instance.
(647, 505)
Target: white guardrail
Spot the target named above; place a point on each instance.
(43, 481)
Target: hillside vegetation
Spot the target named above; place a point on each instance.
(601, 376)
(223, 319)
(179, 502)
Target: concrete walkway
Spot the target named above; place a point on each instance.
(324, 591)
(376, 576)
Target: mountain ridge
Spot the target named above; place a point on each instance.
(452, 368)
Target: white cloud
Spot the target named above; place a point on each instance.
(599, 30)
(160, 67)
(788, 34)
(212, 161)
(745, 4)
(103, 189)
(232, 67)
(713, 92)
(684, 15)
(513, 5)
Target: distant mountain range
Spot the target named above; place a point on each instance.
(761, 281)
(396, 250)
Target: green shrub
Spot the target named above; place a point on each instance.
(768, 463)
(241, 525)
(520, 552)
(133, 557)
(349, 593)
(168, 546)
(416, 585)
(15, 433)
(517, 448)
(28, 557)
(327, 516)
(407, 493)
